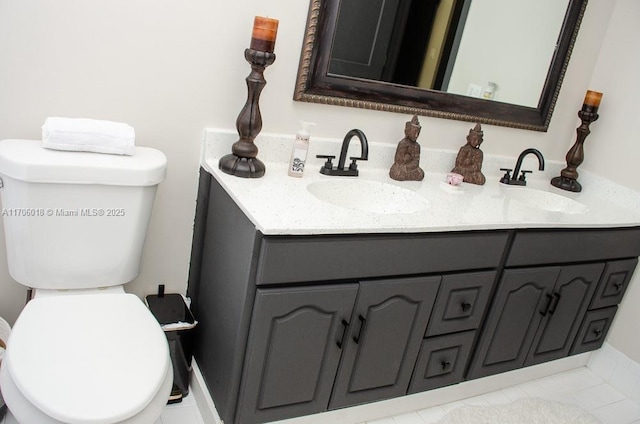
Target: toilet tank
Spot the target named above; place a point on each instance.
(75, 220)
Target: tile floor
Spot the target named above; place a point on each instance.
(185, 412)
(581, 387)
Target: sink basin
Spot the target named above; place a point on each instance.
(546, 200)
(368, 196)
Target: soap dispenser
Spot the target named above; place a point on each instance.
(300, 150)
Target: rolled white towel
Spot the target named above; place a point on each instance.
(88, 135)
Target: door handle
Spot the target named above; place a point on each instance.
(345, 325)
(545, 310)
(554, 304)
(363, 321)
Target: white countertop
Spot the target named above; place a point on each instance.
(281, 205)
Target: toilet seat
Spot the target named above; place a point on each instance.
(95, 358)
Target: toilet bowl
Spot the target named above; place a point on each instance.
(82, 351)
(86, 358)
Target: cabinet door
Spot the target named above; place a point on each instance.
(387, 328)
(364, 55)
(571, 297)
(294, 350)
(520, 301)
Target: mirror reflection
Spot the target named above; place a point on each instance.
(491, 49)
(499, 62)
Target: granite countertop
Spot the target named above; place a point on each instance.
(281, 205)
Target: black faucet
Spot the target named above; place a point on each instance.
(352, 171)
(521, 180)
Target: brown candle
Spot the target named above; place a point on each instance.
(264, 34)
(591, 101)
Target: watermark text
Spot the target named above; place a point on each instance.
(63, 212)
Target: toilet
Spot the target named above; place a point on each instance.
(82, 350)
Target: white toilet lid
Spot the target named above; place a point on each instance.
(88, 358)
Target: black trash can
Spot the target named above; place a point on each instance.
(178, 323)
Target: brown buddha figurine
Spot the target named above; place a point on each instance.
(469, 159)
(406, 165)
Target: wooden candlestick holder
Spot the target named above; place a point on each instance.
(242, 162)
(569, 175)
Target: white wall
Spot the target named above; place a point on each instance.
(613, 147)
(172, 68)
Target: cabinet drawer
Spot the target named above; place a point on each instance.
(613, 284)
(593, 330)
(442, 361)
(461, 302)
(562, 246)
(292, 259)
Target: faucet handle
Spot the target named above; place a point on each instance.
(354, 159)
(328, 164)
(507, 175)
(523, 175)
(354, 165)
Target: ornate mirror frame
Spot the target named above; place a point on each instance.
(314, 84)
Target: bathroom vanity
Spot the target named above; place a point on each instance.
(294, 320)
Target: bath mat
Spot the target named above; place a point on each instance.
(523, 411)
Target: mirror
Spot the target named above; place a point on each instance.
(440, 58)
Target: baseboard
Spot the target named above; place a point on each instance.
(198, 388)
(617, 369)
(405, 404)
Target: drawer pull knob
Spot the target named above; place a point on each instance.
(618, 286)
(445, 365)
(597, 332)
(465, 306)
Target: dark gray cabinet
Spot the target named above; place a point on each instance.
(462, 301)
(386, 331)
(603, 307)
(301, 338)
(296, 340)
(515, 315)
(615, 280)
(295, 325)
(461, 304)
(297, 259)
(442, 361)
(594, 328)
(535, 317)
(562, 319)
